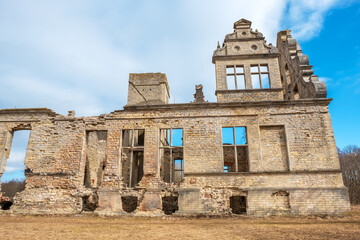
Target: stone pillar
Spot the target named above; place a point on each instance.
(151, 202)
(109, 201)
(189, 201)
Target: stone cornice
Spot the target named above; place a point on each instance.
(317, 101)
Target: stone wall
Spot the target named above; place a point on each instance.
(282, 156)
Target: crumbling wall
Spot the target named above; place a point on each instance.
(297, 75)
(60, 148)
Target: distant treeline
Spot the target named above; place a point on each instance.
(350, 165)
(12, 187)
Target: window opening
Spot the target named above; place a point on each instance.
(170, 204)
(171, 155)
(13, 158)
(287, 75)
(296, 92)
(90, 202)
(238, 204)
(281, 200)
(235, 149)
(178, 170)
(132, 159)
(129, 203)
(235, 77)
(260, 76)
(96, 142)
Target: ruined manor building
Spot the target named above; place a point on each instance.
(266, 147)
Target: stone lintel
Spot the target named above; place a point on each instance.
(28, 110)
(190, 174)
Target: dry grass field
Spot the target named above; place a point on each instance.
(90, 227)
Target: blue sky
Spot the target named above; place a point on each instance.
(77, 55)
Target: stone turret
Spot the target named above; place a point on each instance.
(247, 69)
(148, 89)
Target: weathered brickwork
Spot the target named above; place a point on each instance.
(281, 158)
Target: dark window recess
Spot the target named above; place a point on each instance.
(90, 203)
(129, 203)
(5, 205)
(132, 156)
(170, 204)
(238, 204)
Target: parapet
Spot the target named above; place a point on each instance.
(297, 75)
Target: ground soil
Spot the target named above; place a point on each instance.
(95, 227)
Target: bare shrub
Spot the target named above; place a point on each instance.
(10, 188)
(350, 165)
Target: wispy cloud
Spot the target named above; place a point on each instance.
(305, 17)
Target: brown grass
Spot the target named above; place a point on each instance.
(88, 227)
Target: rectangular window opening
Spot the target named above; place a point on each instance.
(230, 79)
(13, 153)
(241, 81)
(260, 76)
(171, 155)
(178, 170)
(230, 69)
(255, 80)
(170, 204)
(238, 204)
(235, 149)
(132, 156)
(96, 142)
(235, 77)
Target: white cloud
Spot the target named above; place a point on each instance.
(325, 79)
(306, 17)
(15, 162)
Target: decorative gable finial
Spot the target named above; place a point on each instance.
(242, 23)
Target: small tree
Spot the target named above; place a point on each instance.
(12, 187)
(350, 165)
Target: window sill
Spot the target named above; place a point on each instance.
(249, 90)
(259, 173)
